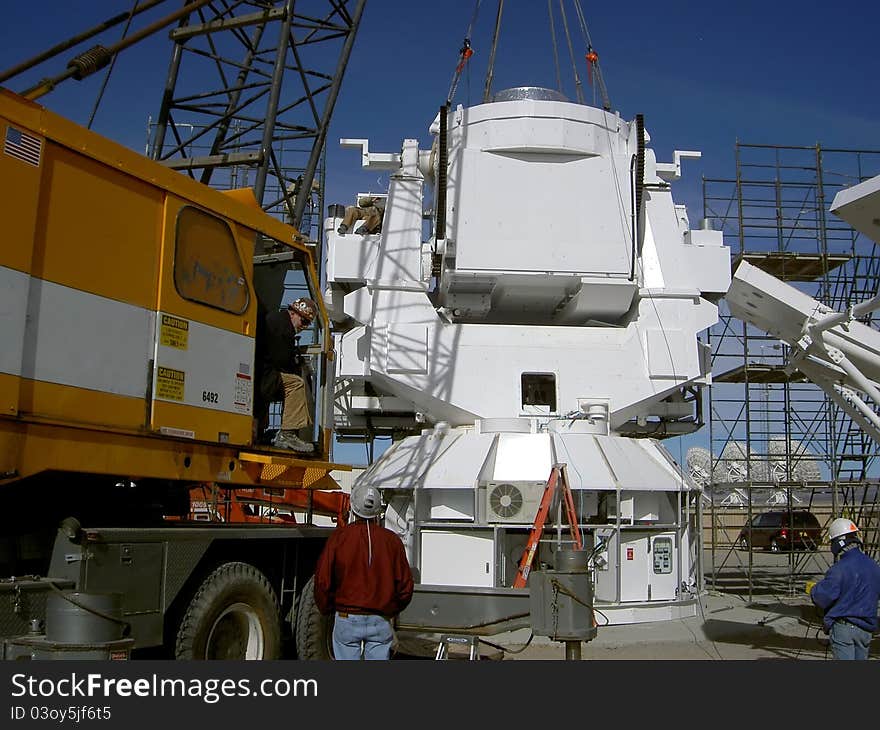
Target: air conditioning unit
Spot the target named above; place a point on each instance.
(513, 502)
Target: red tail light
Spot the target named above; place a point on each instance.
(783, 534)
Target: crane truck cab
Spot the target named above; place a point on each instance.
(128, 306)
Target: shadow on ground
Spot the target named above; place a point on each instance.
(766, 638)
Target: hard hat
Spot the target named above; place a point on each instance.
(840, 527)
(305, 308)
(366, 502)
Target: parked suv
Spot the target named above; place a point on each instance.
(782, 531)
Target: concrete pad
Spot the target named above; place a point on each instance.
(728, 628)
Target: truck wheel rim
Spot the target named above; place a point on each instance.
(236, 634)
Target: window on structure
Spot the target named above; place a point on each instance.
(539, 390)
(207, 267)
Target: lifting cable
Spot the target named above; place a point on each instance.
(553, 42)
(592, 57)
(577, 80)
(98, 56)
(70, 42)
(490, 71)
(106, 80)
(463, 55)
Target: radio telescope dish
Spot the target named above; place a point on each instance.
(732, 465)
(804, 464)
(699, 464)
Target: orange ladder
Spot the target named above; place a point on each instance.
(558, 480)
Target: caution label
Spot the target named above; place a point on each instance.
(243, 390)
(174, 332)
(169, 383)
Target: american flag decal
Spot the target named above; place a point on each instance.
(23, 146)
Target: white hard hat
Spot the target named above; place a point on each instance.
(840, 527)
(366, 502)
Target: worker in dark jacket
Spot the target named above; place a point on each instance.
(364, 577)
(279, 371)
(848, 593)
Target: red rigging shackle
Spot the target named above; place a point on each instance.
(466, 52)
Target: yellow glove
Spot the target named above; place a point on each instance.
(808, 588)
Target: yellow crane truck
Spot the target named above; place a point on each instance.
(128, 308)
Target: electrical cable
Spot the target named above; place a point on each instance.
(507, 650)
(781, 599)
(126, 626)
(703, 616)
(638, 262)
(561, 589)
(583, 481)
(809, 626)
(625, 226)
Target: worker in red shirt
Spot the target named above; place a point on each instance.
(363, 577)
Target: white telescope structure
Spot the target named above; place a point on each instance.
(534, 297)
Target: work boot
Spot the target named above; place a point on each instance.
(342, 230)
(289, 440)
(362, 231)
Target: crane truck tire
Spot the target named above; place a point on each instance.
(233, 615)
(314, 630)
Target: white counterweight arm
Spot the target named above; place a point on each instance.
(832, 349)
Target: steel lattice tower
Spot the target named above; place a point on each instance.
(249, 95)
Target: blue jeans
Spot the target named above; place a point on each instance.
(848, 641)
(362, 636)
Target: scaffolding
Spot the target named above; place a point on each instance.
(777, 442)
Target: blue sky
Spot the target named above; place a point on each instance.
(704, 75)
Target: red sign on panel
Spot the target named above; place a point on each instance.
(630, 553)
